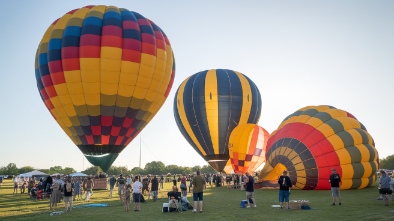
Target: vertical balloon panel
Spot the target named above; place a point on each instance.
(103, 72)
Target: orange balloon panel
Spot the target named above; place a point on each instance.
(228, 169)
(247, 147)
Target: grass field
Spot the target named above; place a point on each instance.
(219, 204)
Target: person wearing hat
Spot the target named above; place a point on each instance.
(335, 180)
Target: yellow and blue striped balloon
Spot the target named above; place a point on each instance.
(209, 105)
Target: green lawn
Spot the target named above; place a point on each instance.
(219, 204)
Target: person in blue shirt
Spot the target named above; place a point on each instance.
(384, 187)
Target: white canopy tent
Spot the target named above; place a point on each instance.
(78, 174)
(35, 173)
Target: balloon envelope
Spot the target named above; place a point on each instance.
(247, 147)
(315, 139)
(207, 107)
(103, 72)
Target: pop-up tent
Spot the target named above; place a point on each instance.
(77, 174)
(35, 173)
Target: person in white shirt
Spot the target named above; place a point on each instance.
(137, 186)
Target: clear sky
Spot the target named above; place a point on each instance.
(298, 53)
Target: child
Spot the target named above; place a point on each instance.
(127, 197)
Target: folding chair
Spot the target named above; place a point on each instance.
(174, 202)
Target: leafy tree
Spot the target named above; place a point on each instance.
(387, 163)
(174, 169)
(196, 168)
(11, 169)
(114, 170)
(137, 170)
(26, 169)
(56, 169)
(93, 170)
(186, 170)
(3, 170)
(68, 170)
(155, 167)
(207, 169)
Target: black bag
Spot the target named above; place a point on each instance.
(142, 199)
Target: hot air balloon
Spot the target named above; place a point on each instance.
(315, 139)
(103, 72)
(247, 147)
(228, 169)
(207, 107)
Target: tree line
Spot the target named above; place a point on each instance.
(154, 167)
(387, 163)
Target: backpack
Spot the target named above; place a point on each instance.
(184, 206)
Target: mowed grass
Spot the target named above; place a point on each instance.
(219, 204)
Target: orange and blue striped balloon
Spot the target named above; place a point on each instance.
(103, 72)
(207, 107)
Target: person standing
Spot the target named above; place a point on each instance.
(112, 182)
(16, 185)
(384, 187)
(77, 188)
(54, 195)
(120, 183)
(162, 181)
(127, 197)
(183, 186)
(89, 188)
(137, 187)
(249, 189)
(335, 180)
(198, 189)
(68, 194)
(129, 180)
(285, 186)
(154, 188)
(61, 189)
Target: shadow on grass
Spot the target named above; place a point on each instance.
(219, 204)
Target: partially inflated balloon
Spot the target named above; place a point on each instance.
(207, 107)
(247, 147)
(103, 72)
(315, 139)
(228, 169)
